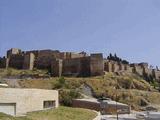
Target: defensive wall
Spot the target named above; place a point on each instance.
(142, 69)
(71, 63)
(60, 63)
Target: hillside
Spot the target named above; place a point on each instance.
(127, 88)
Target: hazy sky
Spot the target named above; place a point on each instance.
(130, 28)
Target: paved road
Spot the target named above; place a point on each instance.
(114, 117)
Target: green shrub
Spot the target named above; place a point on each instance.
(66, 96)
(9, 72)
(61, 82)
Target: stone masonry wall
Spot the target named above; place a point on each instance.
(57, 67)
(96, 64)
(29, 60)
(72, 67)
(70, 55)
(138, 69)
(16, 61)
(115, 67)
(76, 67)
(86, 104)
(44, 59)
(71, 63)
(156, 74)
(108, 66)
(13, 51)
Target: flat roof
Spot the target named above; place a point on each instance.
(27, 89)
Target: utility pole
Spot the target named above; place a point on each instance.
(116, 99)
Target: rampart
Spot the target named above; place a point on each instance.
(73, 64)
(142, 69)
(59, 63)
(96, 64)
(29, 60)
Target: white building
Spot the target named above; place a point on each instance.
(18, 102)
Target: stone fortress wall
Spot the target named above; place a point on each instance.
(138, 68)
(71, 64)
(60, 63)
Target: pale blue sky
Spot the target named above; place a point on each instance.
(131, 28)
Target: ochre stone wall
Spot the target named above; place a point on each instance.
(96, 64)
(70, 55)
(16, 61)
(71, 63)
(72, 67)
(121, 67)
(108, 66)
(29, 60)
(13, 51)
(85, 67)
(105, 108)
(35, 52)
(57, 67)
(76, 66)
(156, 74)
(86, 104)
(115, 67)
(138, 69)
(128, 68)
(44, 59)
(75, 63)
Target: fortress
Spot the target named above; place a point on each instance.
(73, 64)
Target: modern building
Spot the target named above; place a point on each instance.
(17, 102)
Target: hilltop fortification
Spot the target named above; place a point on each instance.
(74, 64)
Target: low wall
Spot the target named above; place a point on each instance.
(86, 104)
(103, 107)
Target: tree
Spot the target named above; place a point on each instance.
(117, 59)
(110, 56)
(157, 68)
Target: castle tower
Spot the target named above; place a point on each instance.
(29, 61)
(56, 67)
(13, 51)
(107, 66)
(96, 64)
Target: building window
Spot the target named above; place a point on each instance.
(48, 104)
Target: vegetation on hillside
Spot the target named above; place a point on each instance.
(10, 72)
(129, 88)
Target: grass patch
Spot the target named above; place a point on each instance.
(61, 113)
(64, 113)
(8, 117)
